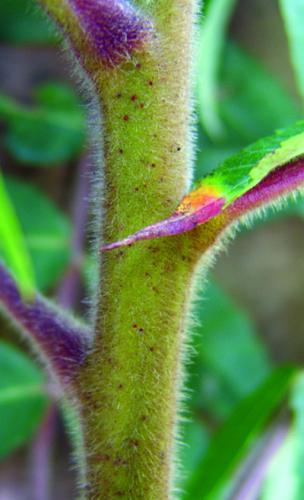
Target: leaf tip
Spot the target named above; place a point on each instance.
(187, 216)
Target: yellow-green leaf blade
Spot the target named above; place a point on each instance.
(13, 245)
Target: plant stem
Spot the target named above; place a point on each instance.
(67, 295)
(41, 455)
(129, 384)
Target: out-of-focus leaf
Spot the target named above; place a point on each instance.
(280, 482)
(229, 347)
(12, 245)
(58, 97)
(22, 22)
(194, 439)
(210, 392)
(49, 133)
(228, 362)
(235, 437)
(90, 273)
(211, 43)
(293, 15)
(297, 406)
(22, 399)
(46, 231)
(252, 102)
(285, 475)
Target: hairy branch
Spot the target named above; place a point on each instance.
(62, 343)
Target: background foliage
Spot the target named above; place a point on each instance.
(245, 386)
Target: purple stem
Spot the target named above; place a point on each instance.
(67, 297)
(62, 342)
(253, 474)
(175, 224)
(41, 455)
(280, 182)
(115, 28)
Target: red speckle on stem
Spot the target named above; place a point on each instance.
(134, 97)
(126, 118)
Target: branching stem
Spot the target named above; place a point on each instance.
(129, 384)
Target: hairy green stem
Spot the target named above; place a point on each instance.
(129, 384)
(128, 387)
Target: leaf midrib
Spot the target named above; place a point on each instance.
(19, 392)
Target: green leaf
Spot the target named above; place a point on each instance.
(46, 231)
(194, 438)
(233, 440)
(252, 102)
(293, 15)
(281, 481)
(210, 155)
(22, 22)
(228, 363)
(285, 474)
(297, 406)
(227, 345)
(12, 245)
(244, 170)
(51, 132)
(211, 43)
(22, 399)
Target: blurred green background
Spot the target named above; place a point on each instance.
(243, 432)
